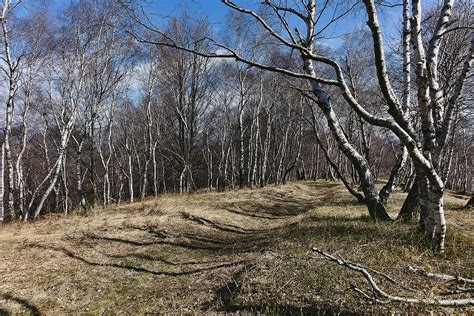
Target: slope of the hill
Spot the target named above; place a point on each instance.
(241, 251)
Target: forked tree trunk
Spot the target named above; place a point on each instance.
(432, 208)
(55, 173)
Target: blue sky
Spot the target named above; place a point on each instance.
(217, 12)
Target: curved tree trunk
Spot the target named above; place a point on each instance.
(374, 204)
(360, 198)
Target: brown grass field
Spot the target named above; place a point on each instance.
(243, 252)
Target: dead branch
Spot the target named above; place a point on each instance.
(458, 290)
(386, 276)
(381, 293)
(444, 277)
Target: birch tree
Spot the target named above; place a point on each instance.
(75, 56)
(11, 71)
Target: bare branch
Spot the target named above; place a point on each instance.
(375, 287)
(444, 277)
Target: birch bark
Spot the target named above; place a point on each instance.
(11, 70)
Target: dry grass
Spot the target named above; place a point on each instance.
(247, 250)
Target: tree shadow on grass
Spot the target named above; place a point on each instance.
(228, 228)
(237, 247)
(134, 268)
(339, 218)
(267, 309)
(226, 296)
(250, 212)
(279, 205)
(129, 242)
(204, 239)
(25, 303)
(216, 243)
(281, 209)
(282, 205)
(226, 300)
(230, 239)
(142, 256)
(359, 230)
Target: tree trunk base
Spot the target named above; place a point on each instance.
(470, 203)
(411, 206)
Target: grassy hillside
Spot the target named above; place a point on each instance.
(247, 251)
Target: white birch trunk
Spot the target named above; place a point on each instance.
(2, 188)
(155, 170)
(266, 148)
(12, 76)
(130, 169)
(65, 135)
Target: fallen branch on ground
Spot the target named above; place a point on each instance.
(386, 276)
(459, 290)
(378, 291)
(444, 277)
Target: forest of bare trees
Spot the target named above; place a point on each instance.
(104, 103)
